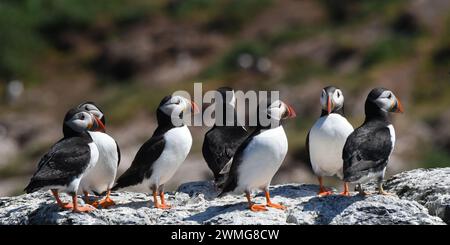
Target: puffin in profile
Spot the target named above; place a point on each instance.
(368, 149)
(260, 156)
(224, 138)
(63, 167)
(101, 178)
(327, 138)
(159, 158)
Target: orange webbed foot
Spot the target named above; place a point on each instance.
(84, 209)
(345, 193)
(105, 203)
(276, 205)
(324, 192)
(66, 205)
(258, 208)
(164, 206)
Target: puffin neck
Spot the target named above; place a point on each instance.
(374, 113)
(339, 111)
(69, 132)
(165, 120)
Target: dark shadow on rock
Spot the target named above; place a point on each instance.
(293, 191)
(329, 207)
(214, 211)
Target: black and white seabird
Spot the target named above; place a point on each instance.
(260, 156)
(159, 158)
(224, 138)
(327, 137)
(367, 150)
(101, 178)
(63, 167)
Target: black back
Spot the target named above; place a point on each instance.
(141, 167)
(65, 161)
(368, 148)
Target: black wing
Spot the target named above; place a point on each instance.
(119, 156)
(366, 150)
(308, 154)
(141, 167)
(232, 179)
(65, 161)
(219, 146)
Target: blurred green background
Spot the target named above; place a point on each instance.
(126, 55)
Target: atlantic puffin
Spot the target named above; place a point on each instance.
(368, 149)
(223, 139)
(327, 138)
(63, 167)
(101, 178)
(159, 158)
(260, 156)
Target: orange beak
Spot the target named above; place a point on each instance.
(329, 105)
(398, 107)
(100, 126)
(194, 107)
(291, 112)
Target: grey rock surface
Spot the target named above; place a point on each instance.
(429, 187)
(195, 203)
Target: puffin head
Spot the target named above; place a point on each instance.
(385, 100)
(227, 95)
(78, 121)
(92, 108)
(332, 100)
(174, 107)
(278, 111)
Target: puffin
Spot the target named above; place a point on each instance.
(224, 138)
(260, 156)
(100, 179)
(327, 137)
(367, 150)
(159, 158)
(64, 165)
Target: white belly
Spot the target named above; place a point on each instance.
(178, 142)
(261, 160)
(102, 176)
(326, 142)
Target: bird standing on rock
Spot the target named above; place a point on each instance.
(63, 167)
(101, 178)
(368, 149)
(159, 158)
(327, 137)
(222, 141)
(260, 156)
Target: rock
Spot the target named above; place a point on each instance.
(194, 203)
(429, 187)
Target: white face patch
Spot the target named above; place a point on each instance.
(386, 101)
(276, 110)
(93, 110)
(80, 121)
(338, 98)
(174, 106)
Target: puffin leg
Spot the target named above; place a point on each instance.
(163, 205)
(155, 199)
(381, 191)
(270, 203)
(59, 202)
(323, 191)
(76, 209)
(361, 191)
(252, 206)
(106, 202)
(346, 192)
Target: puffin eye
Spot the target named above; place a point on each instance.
(82, 117)
(338, 94)
(390, 96)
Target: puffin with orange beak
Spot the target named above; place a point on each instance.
(327, 137)
(65, 164)
(368, 149)
(260, 156)
(100, 179)
(159, 158)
